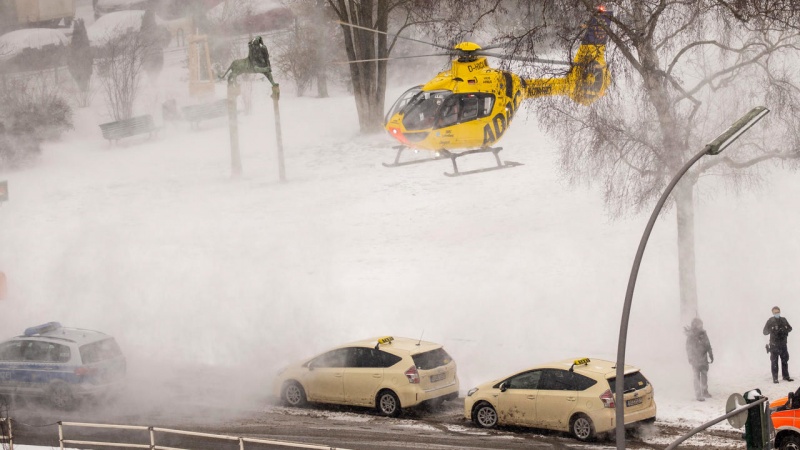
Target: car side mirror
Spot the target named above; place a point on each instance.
(311, 365)
(503, 386)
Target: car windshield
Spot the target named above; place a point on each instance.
(432, 359)
(632, 382)
(421, 110)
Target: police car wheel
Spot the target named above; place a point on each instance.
(582, 428)
(61, 396)
(294, 395)
(791, 442)
(484, 415)
(388, 404)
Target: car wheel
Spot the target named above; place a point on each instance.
(582, 428)
(61, 396)
(484, 415)
(293, 394)
(388, 404)
(791, 442)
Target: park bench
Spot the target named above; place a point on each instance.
(114, 131)
(197, 113)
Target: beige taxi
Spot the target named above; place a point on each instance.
(385, 373)
(576, 396)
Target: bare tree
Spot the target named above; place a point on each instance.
(683, 71)
(120, 68)
(310, 51)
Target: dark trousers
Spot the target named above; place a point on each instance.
(700, 380)
(781, 352)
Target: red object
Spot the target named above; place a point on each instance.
(413, 375)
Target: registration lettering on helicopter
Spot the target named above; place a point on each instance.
(480, 65)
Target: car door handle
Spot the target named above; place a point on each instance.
(570, 399)
(531, 397)
(338, 374)
(376, 375)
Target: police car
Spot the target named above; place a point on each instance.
(570, 395)
(63, 365)
(385, 373)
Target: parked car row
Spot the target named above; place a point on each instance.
(390, 374)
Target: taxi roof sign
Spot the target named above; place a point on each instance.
(384, 340)
(579, 362)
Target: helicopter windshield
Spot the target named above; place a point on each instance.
(421, 110)
(401, 102)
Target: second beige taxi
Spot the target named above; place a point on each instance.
(385, 373)
(570, 395)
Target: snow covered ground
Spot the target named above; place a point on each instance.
(153, 241)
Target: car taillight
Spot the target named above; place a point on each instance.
(608, 399)
(83, 370)
(412, 375)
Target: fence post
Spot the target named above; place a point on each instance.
(152, 439)
(276, 95)
(233, 124)
(60, 435)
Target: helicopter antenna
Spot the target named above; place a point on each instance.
(393, 35)
(420, 337)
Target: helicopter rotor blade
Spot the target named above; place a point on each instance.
(524, 59)
(392, 58)
(393, 35)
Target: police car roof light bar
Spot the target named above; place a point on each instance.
(43, 328)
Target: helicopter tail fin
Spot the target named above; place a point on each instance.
(589, 76)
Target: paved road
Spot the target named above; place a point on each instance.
(349, 428)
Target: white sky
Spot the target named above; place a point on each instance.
(153, 242)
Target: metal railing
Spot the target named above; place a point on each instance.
(6, 434)
(702, 427)
(153, 430)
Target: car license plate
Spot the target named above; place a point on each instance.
(438, 377)
(634, 401)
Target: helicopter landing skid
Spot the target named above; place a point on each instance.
(397, 162)
(494, 150)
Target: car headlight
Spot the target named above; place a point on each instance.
(472, 391)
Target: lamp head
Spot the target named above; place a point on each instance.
(725, 139)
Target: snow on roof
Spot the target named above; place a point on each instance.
(12, 44)
(242, 9)
(115, 24)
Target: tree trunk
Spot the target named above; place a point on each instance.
(368, 78)
(687, 277)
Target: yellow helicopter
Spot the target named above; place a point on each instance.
(467, 109)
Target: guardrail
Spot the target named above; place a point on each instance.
(153, 430)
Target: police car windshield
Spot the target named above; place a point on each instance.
(421, 110)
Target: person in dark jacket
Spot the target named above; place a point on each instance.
(698, 349)
(778, 329)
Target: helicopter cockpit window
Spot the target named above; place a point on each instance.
(402, 102)
(420, 112)
(470, 107)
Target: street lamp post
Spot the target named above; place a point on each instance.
(714, 148)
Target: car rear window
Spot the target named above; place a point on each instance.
(100, 351)
(432, 359)
(632, 382)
